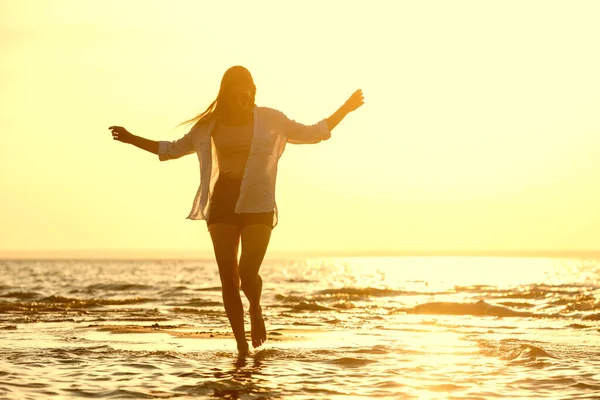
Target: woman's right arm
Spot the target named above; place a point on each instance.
(123, 135)
(164, 149)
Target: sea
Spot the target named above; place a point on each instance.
(338, 328)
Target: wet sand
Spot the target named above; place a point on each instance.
(191, 332)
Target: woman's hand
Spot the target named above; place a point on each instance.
(356, 100)
(121, 134)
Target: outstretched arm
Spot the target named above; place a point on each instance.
(298, 133)
(123, 135)
(354, 101)
(166, 150)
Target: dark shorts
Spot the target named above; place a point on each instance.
(222, 206)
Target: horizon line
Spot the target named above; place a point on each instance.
(136, 254)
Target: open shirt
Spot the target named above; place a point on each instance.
(272, 130)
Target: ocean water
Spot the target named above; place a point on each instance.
(398, 327)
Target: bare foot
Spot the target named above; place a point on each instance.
(243, 349)
(257, 323)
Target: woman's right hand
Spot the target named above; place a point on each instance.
(121, 134)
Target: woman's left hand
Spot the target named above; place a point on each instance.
(356, 100)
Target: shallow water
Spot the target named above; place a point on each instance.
(396, 327)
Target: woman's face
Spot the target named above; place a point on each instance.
(238, 98)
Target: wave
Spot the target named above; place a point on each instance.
(573, 297)
(150, 318)
(479, 308)
(366, 292)
(376, 349)
(350, 361)
(60, 303)
(105, 350)
(515, 350)
(531, 352)
(579, 326)
(290, 298)
(197, 303)
(559, 294)
(592, 317)
(209, 289)
(93, 302)
(8, 328)
(196, 311)
(515, 304)
(118, 286)
(344, 295)
(586, 386)
(174, 291)
(311, 306)
(580, 304)
(22, 295)
(475, 289)
(344, 305)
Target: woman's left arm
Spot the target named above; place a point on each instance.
(299, 133)
(356, 100)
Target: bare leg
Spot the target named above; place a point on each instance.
(255, 240)
(226, 240)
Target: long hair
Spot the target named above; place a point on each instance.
(232, 76)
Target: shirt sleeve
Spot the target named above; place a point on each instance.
(176, 148)
(298, 133)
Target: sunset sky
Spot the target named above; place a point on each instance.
(480, 129)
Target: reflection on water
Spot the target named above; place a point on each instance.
(343, 327)
(242, 378)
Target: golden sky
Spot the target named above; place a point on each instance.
(480, 129)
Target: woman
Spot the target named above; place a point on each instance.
(238, 145)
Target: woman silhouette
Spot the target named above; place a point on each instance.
(238, 145)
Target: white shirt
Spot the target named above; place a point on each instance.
(272, 130)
